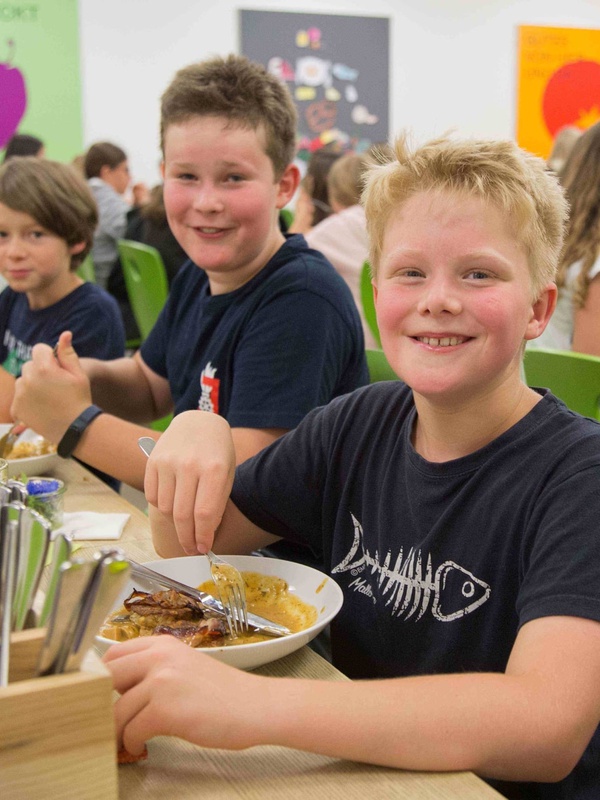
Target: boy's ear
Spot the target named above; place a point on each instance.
(541, 311)
(288, 183)
(162, 169)
(76, 248)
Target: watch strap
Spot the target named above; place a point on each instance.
(74, 432)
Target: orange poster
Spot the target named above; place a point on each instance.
(558, 83)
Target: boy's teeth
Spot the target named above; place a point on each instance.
(209, 230)
(447, 341)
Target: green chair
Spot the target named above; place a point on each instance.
(573, 377)
(379, 368)
(146, 282)
(368, 304)
(86, 270)
(287, 215)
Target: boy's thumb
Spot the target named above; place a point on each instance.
(65, 353)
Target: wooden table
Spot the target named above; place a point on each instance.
(179, 770)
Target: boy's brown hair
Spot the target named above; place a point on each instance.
(345, 179)
(497, 172)
(102, 154)
(243, 92)
(55, 195)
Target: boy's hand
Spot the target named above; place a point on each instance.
(189, 477)
(52, 390)
(168, 688)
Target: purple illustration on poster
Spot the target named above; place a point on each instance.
(13, 95)
(336, 68)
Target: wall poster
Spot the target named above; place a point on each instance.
(558, 83)
(336, 67)
(40, 87)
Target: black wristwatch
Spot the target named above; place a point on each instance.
(73, 434)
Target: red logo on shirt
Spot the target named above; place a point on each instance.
(209, 390)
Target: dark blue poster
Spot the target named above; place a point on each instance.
(336, 68)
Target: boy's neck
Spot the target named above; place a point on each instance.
(49, 295)
(447, 433)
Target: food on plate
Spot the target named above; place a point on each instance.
(171, 612)
(40, 447)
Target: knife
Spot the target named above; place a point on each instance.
(61, 552)
(33, 549)
(9, 554)
(73, 579)
(107, 581)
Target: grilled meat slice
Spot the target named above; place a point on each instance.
(195, 634)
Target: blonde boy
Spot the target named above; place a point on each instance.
(458, 511)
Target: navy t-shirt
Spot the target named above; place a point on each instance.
(440, 563)
(265, 354)
(88, 311)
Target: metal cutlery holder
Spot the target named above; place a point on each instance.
(57, 736)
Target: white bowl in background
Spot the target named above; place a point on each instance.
(308, 584)
(35, 465)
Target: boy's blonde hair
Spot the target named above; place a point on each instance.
(55, 195)
(243, 92)
(497, 172)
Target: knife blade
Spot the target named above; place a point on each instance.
(61, 552)
(34, 542)
(9, 554)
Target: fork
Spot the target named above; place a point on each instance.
(228, 580)
(10, 437)
(231, 589)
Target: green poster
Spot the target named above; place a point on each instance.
(40, 86)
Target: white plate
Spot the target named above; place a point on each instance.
(308, 584)
(36, 465)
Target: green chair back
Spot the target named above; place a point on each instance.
(573, 377)
(86, 270)
(368, 304)
(146, 282)
(379, 368)
(287, 215)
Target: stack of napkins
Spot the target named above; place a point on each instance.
(91, 525)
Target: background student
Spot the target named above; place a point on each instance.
(47, 222)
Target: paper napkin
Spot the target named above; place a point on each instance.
(91, 525)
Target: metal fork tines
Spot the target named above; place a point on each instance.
(232, 593)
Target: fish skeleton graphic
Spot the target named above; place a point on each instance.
(409, 586)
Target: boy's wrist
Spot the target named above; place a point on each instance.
(75, 431)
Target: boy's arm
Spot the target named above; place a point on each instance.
(586, 328)
(53, 391)
(7, 390)
(530, 724)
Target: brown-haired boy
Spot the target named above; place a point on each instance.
(458, 511)
(47, 222)
(258, 328)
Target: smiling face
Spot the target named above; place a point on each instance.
(34, 260)
(454, 297)
(222, 198)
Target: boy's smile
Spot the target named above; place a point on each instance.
(34, 260)
(453, 296)
(222, 198)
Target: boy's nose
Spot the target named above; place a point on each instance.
(207, 200)
(14, 247)
(439, 297)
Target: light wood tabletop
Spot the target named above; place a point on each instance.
(179, 770)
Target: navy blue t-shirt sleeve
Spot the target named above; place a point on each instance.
(289, 361)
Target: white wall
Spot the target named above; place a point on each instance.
(453, 62)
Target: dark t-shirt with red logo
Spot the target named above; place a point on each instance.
(265, 354)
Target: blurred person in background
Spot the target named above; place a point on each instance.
(575, 324)
(564, 141)
(22, 144)
(312, 203)
(107, 172)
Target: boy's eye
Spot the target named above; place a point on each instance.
(478, 275)
(235, 178)
(186, 176)
(36, 234)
